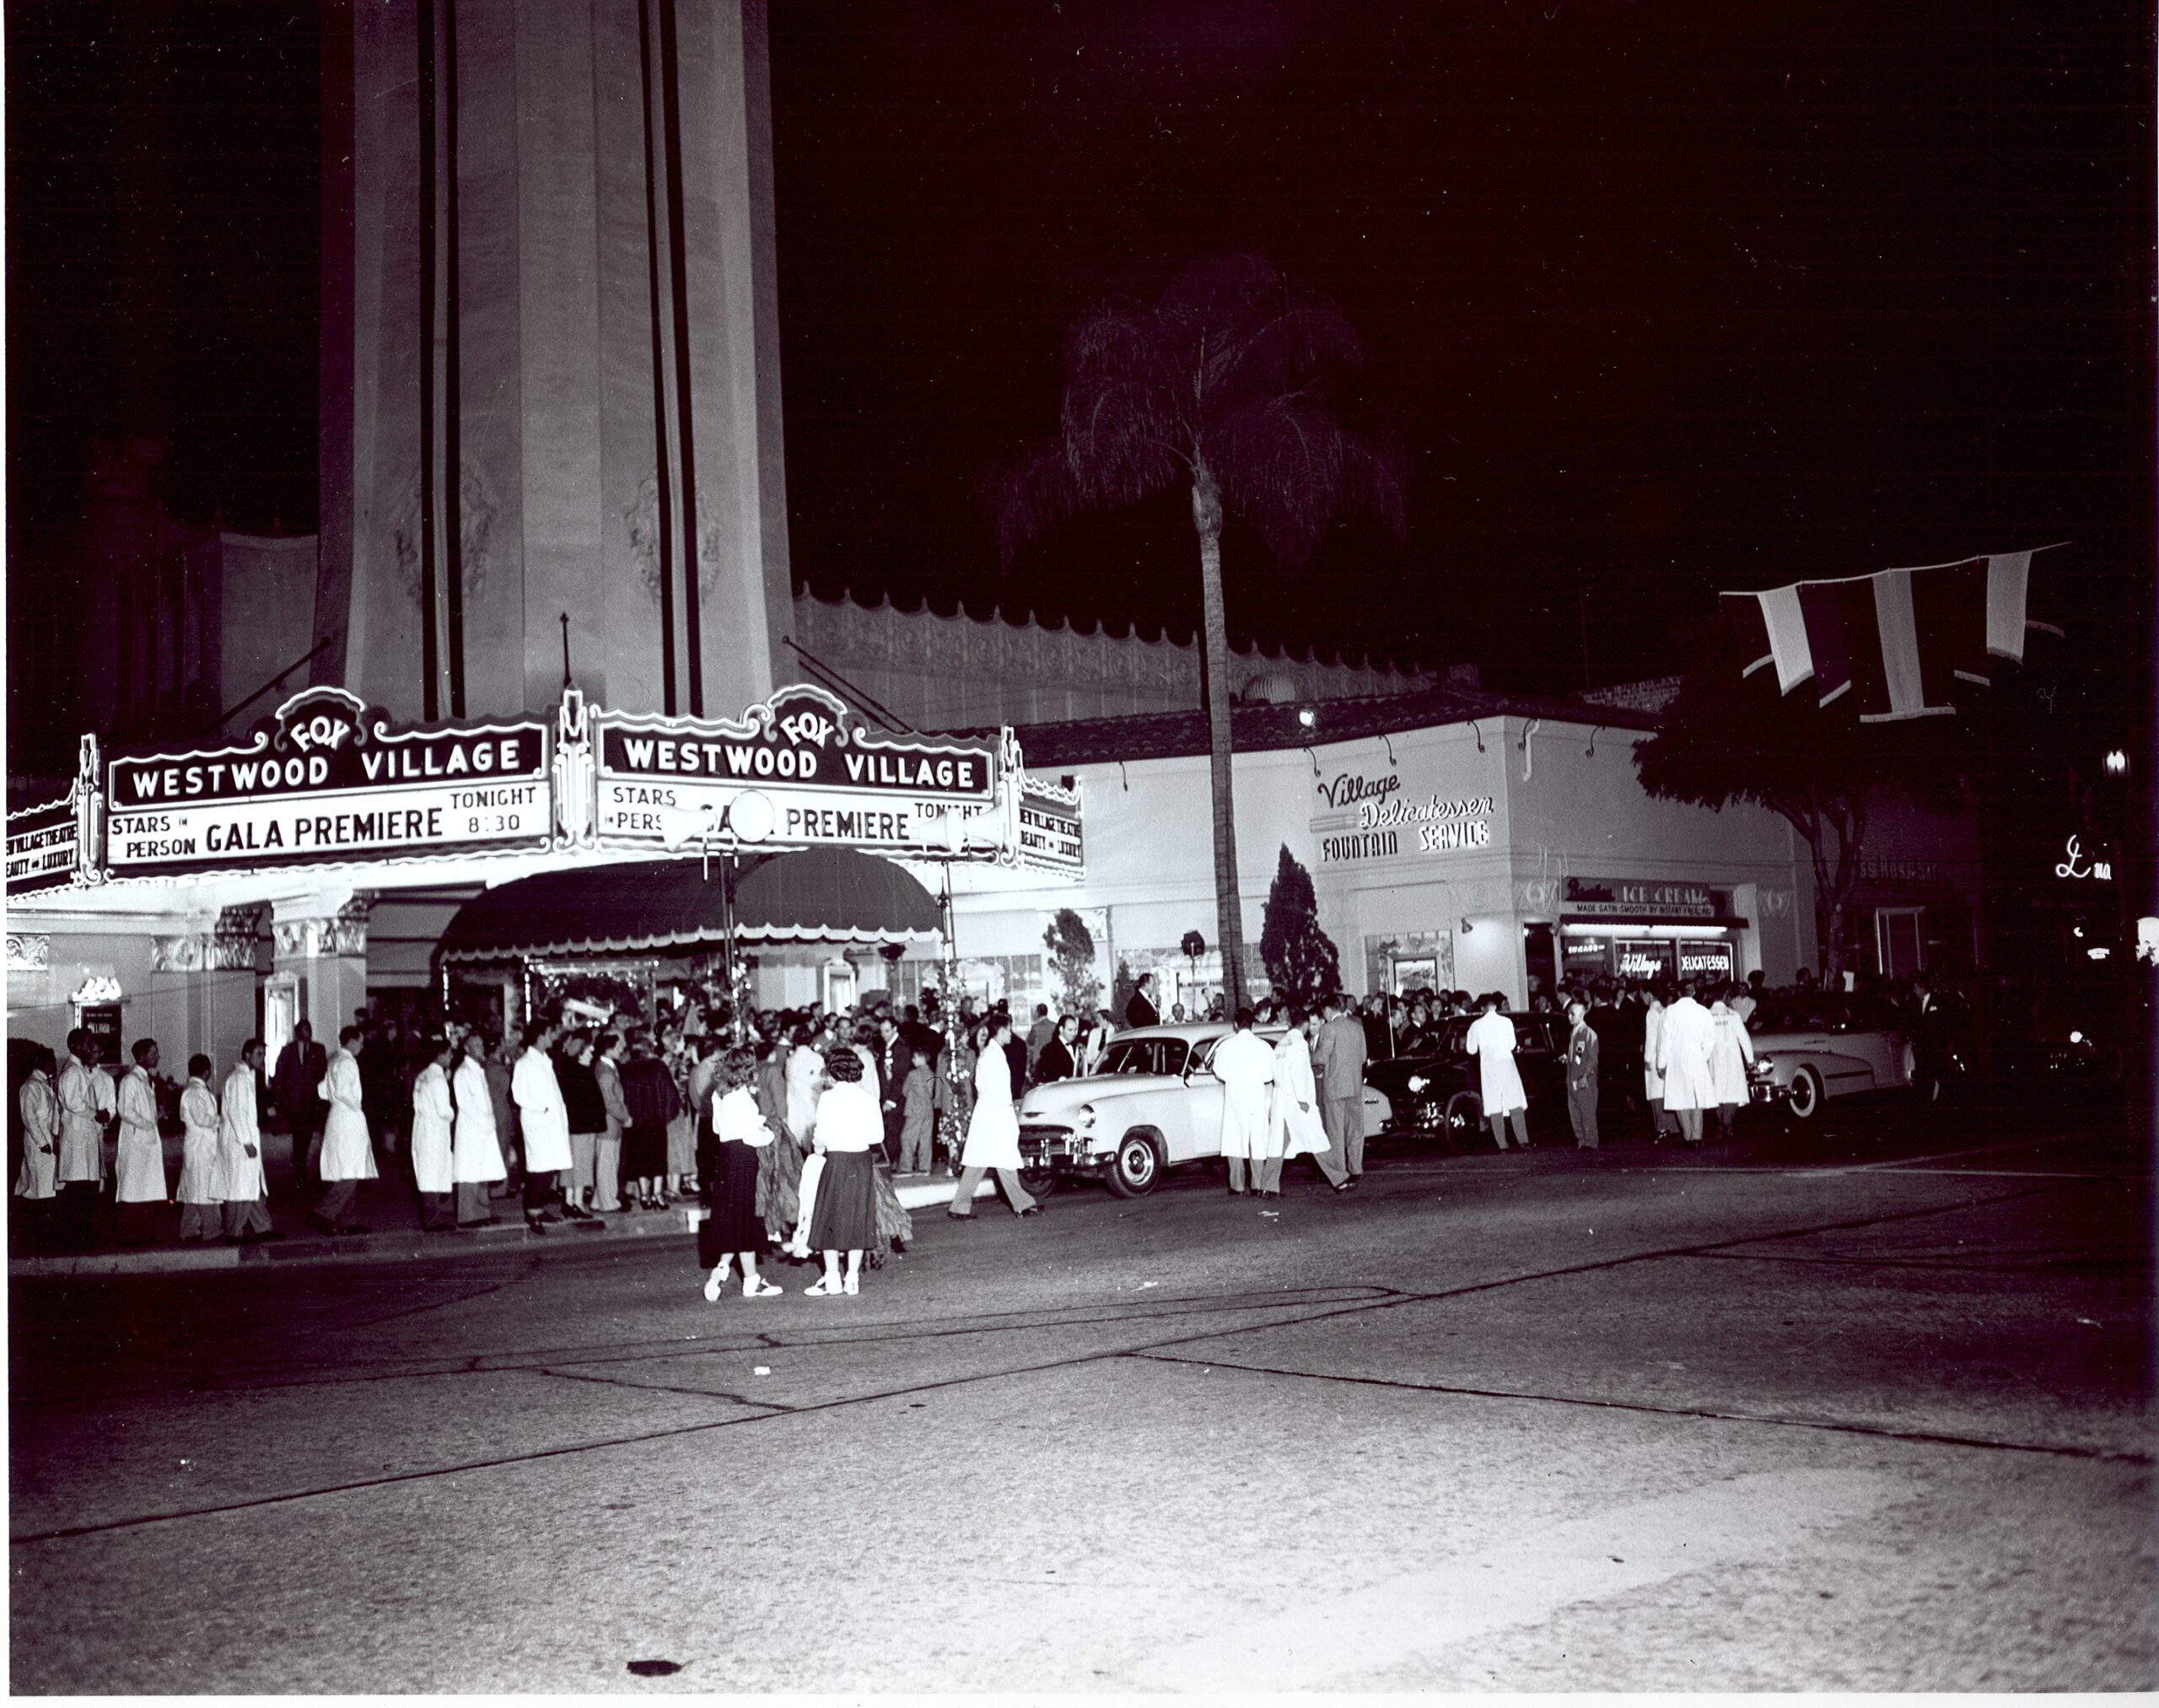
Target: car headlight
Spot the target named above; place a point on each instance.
(1086, 1117)
(1418, 1082)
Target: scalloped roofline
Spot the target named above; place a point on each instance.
(1386, 663)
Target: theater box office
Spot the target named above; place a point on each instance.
(1456, 839)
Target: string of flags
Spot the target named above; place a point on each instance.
(1896, 642)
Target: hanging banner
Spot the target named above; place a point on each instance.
(44, 846)
(1049, 827)
(798, 770)
(324, 781)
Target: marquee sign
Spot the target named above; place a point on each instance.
(796, 771)
(44, 846)
(1049, 827)
(324, 781)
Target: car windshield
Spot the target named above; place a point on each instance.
(1144, 1055)
(1829, 1010)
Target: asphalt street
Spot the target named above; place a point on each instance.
(1865, 1409)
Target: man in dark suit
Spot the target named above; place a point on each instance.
(301, 1065)
(1141, 1011)
(895, 1061)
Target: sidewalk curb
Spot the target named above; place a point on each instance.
(410, 1244)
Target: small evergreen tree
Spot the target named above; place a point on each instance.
(1071, 948)
(1300, 958)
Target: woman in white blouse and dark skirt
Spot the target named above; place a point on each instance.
(730, 1136)
(844, 1219)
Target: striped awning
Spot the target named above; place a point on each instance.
(815, 896)
(1898, 642)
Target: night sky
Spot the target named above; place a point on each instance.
(1656, 299)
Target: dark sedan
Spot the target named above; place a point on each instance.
(1435, 1092)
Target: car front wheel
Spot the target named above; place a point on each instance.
(1463, 1123)
(1136, 1167)
(1807, 1095)
(1038, 1183)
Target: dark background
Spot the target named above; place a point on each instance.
(1656, 299)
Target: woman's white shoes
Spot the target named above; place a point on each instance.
(852, 1285)
(713, 1283)
(757, 1287)
(829, 1287)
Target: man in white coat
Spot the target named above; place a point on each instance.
(38, 1104)
(1245, 1065)
(433, 1115)
(239, 1135)
(475, 1151)
(1491, 1039)
(993, 1132)
(1683, 1059)
(139, 1164)
(201, 1157)
(544, 1118)
(347, 1153)
(87, 1108)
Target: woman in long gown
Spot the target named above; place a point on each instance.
(779, 1164)
(734, 1132)
(992, 1132)
(649, 1093)
(1293, 1117)
(805, 1075)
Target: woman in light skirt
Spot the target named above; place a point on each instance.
(844, 1219)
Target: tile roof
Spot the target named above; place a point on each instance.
(1262, 728)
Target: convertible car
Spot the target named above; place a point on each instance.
(1827, 1045)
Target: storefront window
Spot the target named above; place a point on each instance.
(1645, 957)
(1709, 961)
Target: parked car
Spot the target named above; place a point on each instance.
(1825, 1046)
(1437, 1094)
(1151, 1106)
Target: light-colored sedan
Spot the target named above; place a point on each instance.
(1803, 1058)
(1152, 1105)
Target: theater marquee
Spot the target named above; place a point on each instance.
(798, 770)
(325, 782)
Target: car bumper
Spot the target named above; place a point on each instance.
(1059, 1149)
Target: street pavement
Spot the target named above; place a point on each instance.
(1865, 1408)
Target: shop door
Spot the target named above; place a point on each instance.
(1899, 951)
(1541, 959)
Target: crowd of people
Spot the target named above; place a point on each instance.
(788, 1127)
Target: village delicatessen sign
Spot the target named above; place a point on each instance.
(326, 781)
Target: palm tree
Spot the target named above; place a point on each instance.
(1216, 383)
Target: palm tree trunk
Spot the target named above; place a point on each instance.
(1228, 907)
